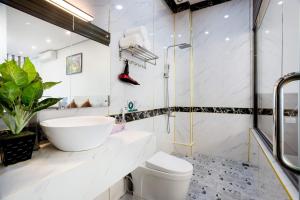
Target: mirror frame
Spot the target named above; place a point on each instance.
(54, 15)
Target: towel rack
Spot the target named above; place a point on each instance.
(139, 52)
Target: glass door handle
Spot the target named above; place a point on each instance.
(278, 117)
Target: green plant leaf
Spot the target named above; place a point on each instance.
(9, 122)
(16, 73)
(10, 91)
(46, 103)
(29, 68)
(1, 111)
(48, 85)
(4, 71)
(32, 93)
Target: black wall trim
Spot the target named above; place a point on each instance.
(205, 4)
(50, 13)
(161, 111)
(193, 7)
(220, 110)
(224, 110)
(177, 7)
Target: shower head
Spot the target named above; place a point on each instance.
(181, 46)
(184, 46)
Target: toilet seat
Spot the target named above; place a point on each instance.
(168, 164)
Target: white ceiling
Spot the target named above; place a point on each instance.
(25, 31)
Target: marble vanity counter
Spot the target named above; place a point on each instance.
(55, 175)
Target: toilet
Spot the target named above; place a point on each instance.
(162, 177)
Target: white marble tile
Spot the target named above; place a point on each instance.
(157, 125)
(164, 140)
(223, 135)
(182, 127)
(182, 59)
(222, 68)
(53, 174)
(157, 21)
(51, 114)
(115, 192)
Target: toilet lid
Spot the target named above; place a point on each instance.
(167, 163)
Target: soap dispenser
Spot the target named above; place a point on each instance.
(120, 123)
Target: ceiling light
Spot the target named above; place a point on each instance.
(73, 10)
(48, 41)
(119, 7)
(179, 35)
(171, 35)
(280, 2)
(226, 16)
(227, 39)
(68, 32)
(33, 47)
(267, 31)
(206, 32)
(27, 23)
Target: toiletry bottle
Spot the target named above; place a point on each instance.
(120, 123)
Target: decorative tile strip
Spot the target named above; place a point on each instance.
(225, 110)
(269, 111)
(132, 116)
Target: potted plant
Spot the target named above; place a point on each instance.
(21, 89)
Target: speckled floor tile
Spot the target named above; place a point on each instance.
(217, 178)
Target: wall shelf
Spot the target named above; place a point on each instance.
(139, 52)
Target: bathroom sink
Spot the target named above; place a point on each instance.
(78, 133)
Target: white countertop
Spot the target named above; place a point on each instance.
(55, 175)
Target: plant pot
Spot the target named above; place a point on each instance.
(16, 148)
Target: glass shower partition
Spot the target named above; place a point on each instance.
(277, 54)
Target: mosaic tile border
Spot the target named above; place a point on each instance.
(221, 110)
(225, 110)
(269, 111)
(132, 116)
(161, 111)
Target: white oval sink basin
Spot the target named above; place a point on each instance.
(78, 133)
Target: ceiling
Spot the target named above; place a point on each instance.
(29, 36)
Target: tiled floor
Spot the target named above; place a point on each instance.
(217, 178)
(220, 178)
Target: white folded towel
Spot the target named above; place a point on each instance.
(141, 30)
(147, 45)
(131, 40)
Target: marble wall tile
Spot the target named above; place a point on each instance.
(182, 60)
(222, 55)
(157, 126)
(182, 127)
(221, 78)
(223, 135)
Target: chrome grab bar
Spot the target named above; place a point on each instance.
(278, 113)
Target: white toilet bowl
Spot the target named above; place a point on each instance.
(162, 177)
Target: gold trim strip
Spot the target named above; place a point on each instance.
(184, 144)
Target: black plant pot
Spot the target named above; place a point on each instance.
(16, 148)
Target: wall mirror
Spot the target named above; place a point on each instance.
(81, 64)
